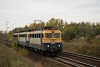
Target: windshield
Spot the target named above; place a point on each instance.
(56, 35)
(48, 35)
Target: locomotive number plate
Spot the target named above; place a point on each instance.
(52, 41)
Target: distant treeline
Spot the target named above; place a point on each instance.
(70, 30)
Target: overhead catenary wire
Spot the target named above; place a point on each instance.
(71, 10)
(89, 13)
(11, 25)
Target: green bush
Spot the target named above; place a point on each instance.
(22, 51)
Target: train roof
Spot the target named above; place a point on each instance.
(37, 30)
(15, 34)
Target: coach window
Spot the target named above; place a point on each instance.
(30, 35)
(20, 35)
(15, 35)
(39, 35)
(34, 35)
(23, 35)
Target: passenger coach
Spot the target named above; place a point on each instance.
(45, 39)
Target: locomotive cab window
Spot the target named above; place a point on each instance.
(56, 35)
(48, 35)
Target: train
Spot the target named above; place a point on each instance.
(45, 39)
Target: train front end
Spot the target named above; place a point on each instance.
(52, 41)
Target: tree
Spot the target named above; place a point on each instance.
(51, 22)
(42, 24)
(70, 33)
(65, 25)
(60, 24)
(97, 31)
(1, 33)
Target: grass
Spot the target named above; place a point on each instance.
(18, 57)
(10, 58)
(81, 46)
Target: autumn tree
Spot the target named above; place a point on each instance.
(70, 33)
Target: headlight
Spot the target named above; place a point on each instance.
(48, 46)
(59, 45)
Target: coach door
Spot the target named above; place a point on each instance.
(18, 37)
(28, 39)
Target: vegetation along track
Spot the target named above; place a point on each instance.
(82, 59)
(73, 59)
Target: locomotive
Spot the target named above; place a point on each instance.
(46, 39)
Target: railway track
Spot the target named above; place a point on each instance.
(79, 60)
(71, 62)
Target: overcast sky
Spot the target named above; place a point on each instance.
(22, 12)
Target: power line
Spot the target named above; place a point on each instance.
(74, 8)
(87, 14)
(11, 25)
(79, 7)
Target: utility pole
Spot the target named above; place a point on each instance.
(7, 26)
(6, 29)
